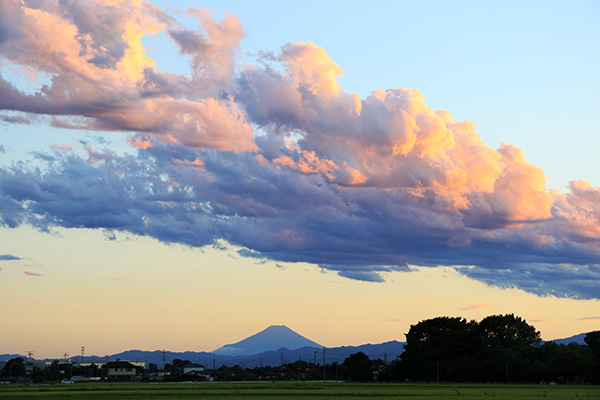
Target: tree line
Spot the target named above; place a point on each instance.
(499, 348)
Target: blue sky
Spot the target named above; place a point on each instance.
(526, 73)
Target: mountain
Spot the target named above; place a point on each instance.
(6, 357)
(273, 346)
(576, 338)
(273, 338)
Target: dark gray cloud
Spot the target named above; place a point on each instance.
(286, 216)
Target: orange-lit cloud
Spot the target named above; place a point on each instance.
(102, 76)
(32, 273)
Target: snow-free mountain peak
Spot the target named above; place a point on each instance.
(272, 338)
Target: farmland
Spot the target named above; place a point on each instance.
(294, 390)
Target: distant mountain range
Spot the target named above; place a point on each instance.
(576, 338)
(273, 346)
(272, 338)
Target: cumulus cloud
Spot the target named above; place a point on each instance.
(101, 77)
(276, 158)
(9, 257)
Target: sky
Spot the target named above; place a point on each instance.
(181, 175)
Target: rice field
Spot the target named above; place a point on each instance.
(293, 390)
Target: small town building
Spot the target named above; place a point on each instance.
(193, 369)
(121, 371)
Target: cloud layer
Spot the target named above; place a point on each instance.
(275, 157)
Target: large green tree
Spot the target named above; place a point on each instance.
(358, 367)
(507, 331)
(15, 367)
(592, 339)
(441, 347)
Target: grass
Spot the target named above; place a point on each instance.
(292, 390)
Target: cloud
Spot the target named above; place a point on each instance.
(9, 257)
(367, 276)
(32, 273)
(275, 158)
(539, 320)
(475, 307)
(14, 119)
(119, 280)
(103, 79)
(588, 319)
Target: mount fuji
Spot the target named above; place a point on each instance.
(273, 338)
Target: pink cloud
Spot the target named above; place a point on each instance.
(103, 79)
(476, 307)
(32, 273)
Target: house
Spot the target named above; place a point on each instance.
(193, 369)
(121, 371)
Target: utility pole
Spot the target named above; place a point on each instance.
(324, 367)
(385, 358)
(438, 371)
(336, 365)
(315, 358)
(281, 358)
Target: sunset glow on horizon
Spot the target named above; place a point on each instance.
(166, 182)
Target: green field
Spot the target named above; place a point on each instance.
(293, 390)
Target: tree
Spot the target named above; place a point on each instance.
(358, 367)
(38, 375)
(441, 347)
(15, 367)
(507, 331)
(592, 339)
(507, 352)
